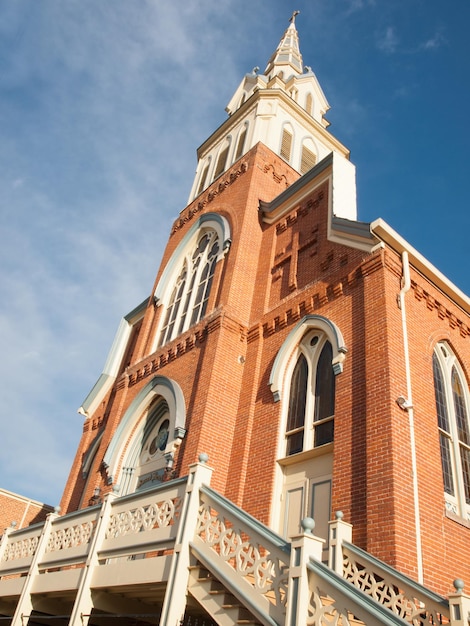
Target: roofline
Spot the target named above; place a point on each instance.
(387, 234)
(295, 192)
(113, 361)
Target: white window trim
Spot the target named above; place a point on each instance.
(454, 504)
(291, 343)
(165, 286)
(127, 436)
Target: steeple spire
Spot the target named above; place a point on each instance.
(287, 55)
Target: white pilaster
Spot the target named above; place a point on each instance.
(84, 601)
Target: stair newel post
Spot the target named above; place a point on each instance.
(303, 548)
(174, 604)
(459, 605)
(25, 603)
(5, 539)
(339, 531)
(84, 600)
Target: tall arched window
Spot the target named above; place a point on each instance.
(222, 159)
(150, 466)
(203, 180)
(303, 380)
(286, 143)
(311, 405)
(188, 301)
(452, 407)
(142, 451)
(241, 142)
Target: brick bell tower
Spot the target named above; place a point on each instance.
(275, 340)
(177, 380)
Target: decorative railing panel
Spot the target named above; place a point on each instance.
(405, 598)
(145, 521)
(248, 558)
(335, 602)
(20, 550)
(70, 537)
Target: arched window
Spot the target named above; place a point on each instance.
(307, 160)
(286, 143)
(452, 407)
(222, 159)
(190, 294)
(203, 180)
(303, 380)
(311, 404)
(241, 142)
(142, 450)
(151, 464)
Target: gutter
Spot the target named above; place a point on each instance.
(406, 404)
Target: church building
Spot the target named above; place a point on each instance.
(281, 432)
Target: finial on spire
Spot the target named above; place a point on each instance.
(294, 15)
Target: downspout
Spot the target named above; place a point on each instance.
(408, 406)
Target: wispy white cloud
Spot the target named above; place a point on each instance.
(434, 42)
(102, 106)
(387, 41)
(354, 6)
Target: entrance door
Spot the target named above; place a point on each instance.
(307, 493)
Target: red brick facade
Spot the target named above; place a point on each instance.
(17, 511)
(271, 278)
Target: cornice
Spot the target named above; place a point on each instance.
(297, 192)
(209, 194)
(247, 108)
(389, 236)
(186, 342)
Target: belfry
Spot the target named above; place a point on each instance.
(280, 434)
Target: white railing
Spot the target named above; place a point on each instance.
(149, 536)
(250, 560)
(143, 522)
(404, 597)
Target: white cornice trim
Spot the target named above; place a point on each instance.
(113, 362)
(247, 107)
(387, 234)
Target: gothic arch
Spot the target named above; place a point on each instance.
(294, 338)
(124, 446)
(208, 221)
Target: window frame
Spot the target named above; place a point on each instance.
(166, 284)
(189, 298)
(456, 479)
(285, 361)
(309, 353)
(122, 455)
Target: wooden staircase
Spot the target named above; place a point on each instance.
(217, 600)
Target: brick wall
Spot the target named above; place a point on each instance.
(271, 278)
(19, 509)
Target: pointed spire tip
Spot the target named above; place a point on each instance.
(294, 15)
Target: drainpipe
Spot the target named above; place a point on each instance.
(407, 405)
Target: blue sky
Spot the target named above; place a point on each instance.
(102, 106)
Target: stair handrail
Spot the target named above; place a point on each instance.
(242, 516)
(248, 559)
(391, 588)
(333, 596)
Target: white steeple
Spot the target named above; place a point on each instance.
(286, 58)
(283, 108)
